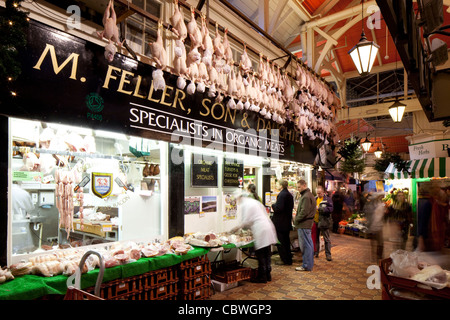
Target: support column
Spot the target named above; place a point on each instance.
(4, 187)
(176, 191)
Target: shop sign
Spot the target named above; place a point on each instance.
(233, 171)
(102, 184)
(204, 171)
(429, 149)
(67, 80)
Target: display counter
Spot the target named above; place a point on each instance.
(29, 287)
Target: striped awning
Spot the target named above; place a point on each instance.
(422, 168)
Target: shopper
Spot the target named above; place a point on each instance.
(303, 222)
(400, 214)
(350, 201)
(323, 222)
(251, 188)
(338, 203)
(375, 211)
(282, 219)
(253, 215)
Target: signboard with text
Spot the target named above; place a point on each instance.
(67, 80)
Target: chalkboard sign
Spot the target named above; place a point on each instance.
(204, 171)
(232, 170)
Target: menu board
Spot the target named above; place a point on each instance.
(204, 171)
(233, 171)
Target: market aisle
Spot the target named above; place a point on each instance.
(344, 278)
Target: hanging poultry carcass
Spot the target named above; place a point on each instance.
(219, 49)
(207, 43)
(228, 53)
(193, 31)
(157, 49)
(202, 77)
(193, 76)
(179, 64)
(178, 24)
(245, 64)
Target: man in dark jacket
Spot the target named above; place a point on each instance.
(303, 222)
(282, 219)
(324, 221)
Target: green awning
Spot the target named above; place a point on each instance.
(422, 168)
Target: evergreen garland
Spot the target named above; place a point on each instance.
(13, 38)
(353, 157)
(387, 158)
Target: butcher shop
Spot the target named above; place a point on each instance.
(127, 168)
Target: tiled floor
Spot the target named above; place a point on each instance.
(344, 278)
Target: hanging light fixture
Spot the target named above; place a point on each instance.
(366, 145)
(396, 110)
(364, 52)
(378, 153)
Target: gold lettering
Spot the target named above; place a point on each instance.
(232, 117)
(56, 68)
(164, 95)
(180, 100)
(151, 93)
(110, 76)
(244, 122)
(123, 81)
(136, 89)
(263, 124)
(206, 108)
(212, 111)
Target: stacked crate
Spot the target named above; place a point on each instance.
(195, 282)
(160, 284)
(189, 280)
(120, 289)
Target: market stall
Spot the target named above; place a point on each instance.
(174, 269)
(106, 148)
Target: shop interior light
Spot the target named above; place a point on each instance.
(364, 52)
(397, 110)
(366, 144)
(378, 153)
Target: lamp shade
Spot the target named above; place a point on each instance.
(366, 145)
(363, 55)
(378, 153)
(397, 110)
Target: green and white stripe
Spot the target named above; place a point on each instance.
(422, 168)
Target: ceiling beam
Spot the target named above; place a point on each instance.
(338, 16)
(326, 6)
(275, 21)
(285, 15)
(263, 14)
(375, 110)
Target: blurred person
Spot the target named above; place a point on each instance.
(350, 201)
(375, 211)
(437, 222)
(253, 215)
(424, 208)
(338, 203)
(282, 220)
(251, 188)
(303, 222)
(362, 200)
(400, 214)
(323, 222)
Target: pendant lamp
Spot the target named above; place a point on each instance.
(396, 110)
(366, 145)
(378, 153)
(364, 52)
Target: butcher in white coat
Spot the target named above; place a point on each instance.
(253, 215)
